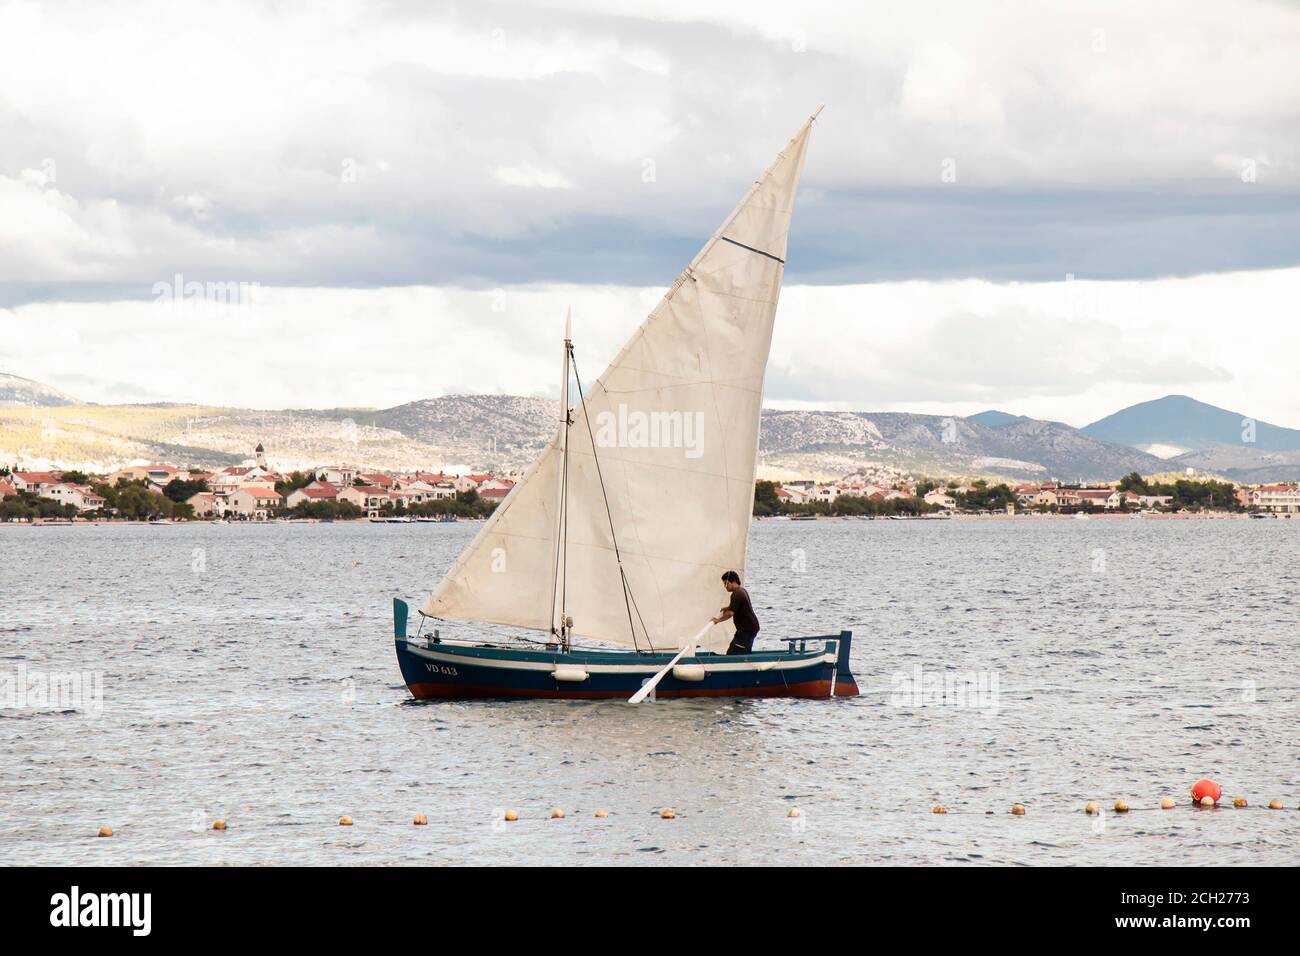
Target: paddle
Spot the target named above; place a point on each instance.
(650, 685)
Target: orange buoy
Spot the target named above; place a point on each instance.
(1091, 807)
(1018, 810)
(1205, 787)
(218, 824)
(1121, 806)
(105, 832)
(939, 809)
(1275, 804)
(1207, 801)
(557, 814)
(667, 813)
(511, 815)
(420, 820)
(601, 814)
(1239, 801)
(794, 812)
(1167, 803)
(345, 821)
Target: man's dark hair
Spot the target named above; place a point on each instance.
(731, 576)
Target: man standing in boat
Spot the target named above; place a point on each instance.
(741, 609)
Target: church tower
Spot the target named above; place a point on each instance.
(259, 454)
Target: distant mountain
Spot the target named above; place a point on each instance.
(508, 422)
(995, 419)
(938, 445)
(23, 392)
(495, 431)
(1177, 424)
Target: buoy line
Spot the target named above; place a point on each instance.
(1205, 794)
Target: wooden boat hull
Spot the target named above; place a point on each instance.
(452, 670)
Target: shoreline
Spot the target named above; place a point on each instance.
(1030, 516)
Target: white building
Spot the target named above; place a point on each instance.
(81, 497)
(366, 497)
(207, 505)
(338, 475)
(254, 501)
(316, 491)
(1283, 499)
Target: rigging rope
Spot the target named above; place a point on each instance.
(627, 588)
(562, 520)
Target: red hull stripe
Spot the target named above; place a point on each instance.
(812, 688)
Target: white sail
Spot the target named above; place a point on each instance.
(661, 458)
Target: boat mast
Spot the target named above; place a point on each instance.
(558, 558)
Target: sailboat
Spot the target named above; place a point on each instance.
(621, 530)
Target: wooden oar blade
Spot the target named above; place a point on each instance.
(653, 682)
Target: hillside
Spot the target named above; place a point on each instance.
(1179, 424)
(18, 392)
(504, 431)
(938, 445)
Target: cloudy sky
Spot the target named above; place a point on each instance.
(1052, 208)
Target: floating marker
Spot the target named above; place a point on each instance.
(345, 821)
(218, 824)
(420, 820)
(601, 814)
(667, 813)
(511, 815)
(1018, 810)
(1205, 787)
(1091, 807)
(1239, 801)
(557, 814)
(794, 812)
(1275, 804)
(1207, 801)
(1121, 806)
(940, 809)
(1167, 803)
(105, 831)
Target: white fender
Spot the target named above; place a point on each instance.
(570, 672)
(689, 672)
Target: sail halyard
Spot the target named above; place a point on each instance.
(557, 627)
(655, 488)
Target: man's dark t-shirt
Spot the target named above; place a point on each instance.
(742, 611)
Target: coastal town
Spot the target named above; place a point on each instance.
(1131, 494)
(256, 491)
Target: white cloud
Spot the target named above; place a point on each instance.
(1068, 351)
(530, 177)
(251, 112)
(356, 145)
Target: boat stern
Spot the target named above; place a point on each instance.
(401, 613)
(845, 685)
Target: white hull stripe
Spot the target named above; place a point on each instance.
(797, 663)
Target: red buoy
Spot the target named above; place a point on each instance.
(1205, 787)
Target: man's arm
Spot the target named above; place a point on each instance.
(726, 615)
